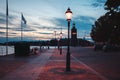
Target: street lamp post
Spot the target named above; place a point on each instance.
(58, 43)
(55, 38)
(61, 42)
(68, 16)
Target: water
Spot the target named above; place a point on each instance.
(11, 49)
(3, 50)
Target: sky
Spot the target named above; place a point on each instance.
(44, 17)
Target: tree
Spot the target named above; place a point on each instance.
(112, 5)
(107, 27)
(101, 29)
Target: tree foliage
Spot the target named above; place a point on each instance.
(107, 27)
(112, 5)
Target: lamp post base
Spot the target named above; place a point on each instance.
(68, 69)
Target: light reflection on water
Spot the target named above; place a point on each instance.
(11, 49)
(3, 50)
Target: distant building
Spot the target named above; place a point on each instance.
(73, 36)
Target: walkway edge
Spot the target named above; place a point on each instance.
(95, 72)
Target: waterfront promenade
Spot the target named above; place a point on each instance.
(86, 64)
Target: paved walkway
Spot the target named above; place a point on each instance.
(51, 66)
(31, 70)
(55, 69)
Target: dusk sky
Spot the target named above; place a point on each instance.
(46, 16)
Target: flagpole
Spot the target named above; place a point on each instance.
(22, 21)
(21, 28)
(6, 27)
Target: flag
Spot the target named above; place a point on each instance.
(6, 7)
(23, 19)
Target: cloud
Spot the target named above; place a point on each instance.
(2, 32)
(26, 29)
(101, 1)
(5, 28)
(3, 18)
(2, 27)
(13, 33)
(3, 39)
(98, 3)
(44, 17)
(2, 21)
(2, 15)
(83, 24)
(60, 22)
(51, 24)
(85, 19)
(45, 33)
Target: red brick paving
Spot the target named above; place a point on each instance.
(55, 70)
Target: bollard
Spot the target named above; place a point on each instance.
(60, 51)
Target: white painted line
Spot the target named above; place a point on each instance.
(102, 77)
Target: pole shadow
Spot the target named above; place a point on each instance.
(74, 71)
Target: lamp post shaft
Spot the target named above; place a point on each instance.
(68, 50)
